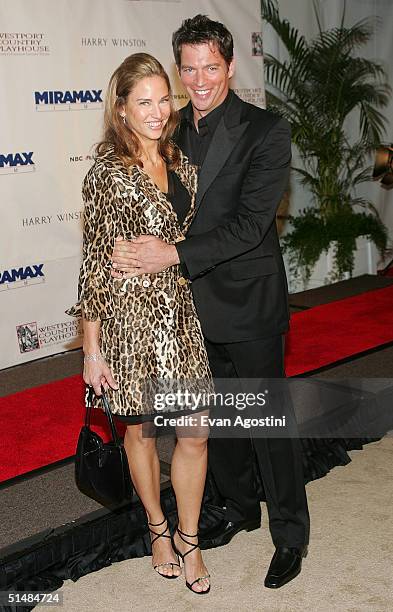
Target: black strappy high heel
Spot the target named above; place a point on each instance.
(179, 554)
(163, 535)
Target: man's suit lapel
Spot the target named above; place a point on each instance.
(222, 144)
(227, 134)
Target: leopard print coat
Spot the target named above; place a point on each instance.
(150, 331)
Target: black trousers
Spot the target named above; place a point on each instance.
(279, 461)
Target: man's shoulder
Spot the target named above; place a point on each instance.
(256, 114)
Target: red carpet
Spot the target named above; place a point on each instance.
(40, 426)
(325, 334)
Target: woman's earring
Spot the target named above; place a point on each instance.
(124, 119)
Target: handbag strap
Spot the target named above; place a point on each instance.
(89, 404)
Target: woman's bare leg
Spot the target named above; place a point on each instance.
(188, 475)
(145, 473)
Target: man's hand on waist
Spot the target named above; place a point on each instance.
(142, 255)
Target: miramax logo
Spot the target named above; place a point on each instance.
(22, 161)
(70, 99)
(14, 278)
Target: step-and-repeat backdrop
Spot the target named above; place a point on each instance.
(56, 57)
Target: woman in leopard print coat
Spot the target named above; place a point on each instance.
(145, 329)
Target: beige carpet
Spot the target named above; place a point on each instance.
(348, 568)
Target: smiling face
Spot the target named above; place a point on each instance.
(205, 75)
(147, 108)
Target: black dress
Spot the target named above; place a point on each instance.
(180, 200)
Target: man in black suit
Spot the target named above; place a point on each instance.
(232, 256)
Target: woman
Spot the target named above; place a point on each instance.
(141, 330)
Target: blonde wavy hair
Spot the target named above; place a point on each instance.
(126, 144)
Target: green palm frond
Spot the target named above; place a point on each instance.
(279, 74)
(294, 42)
(342, 40)
(372, 122)
(317, 87)
(321, 83)
(363, 176)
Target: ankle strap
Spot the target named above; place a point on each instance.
(157, 535)
(157, 524)
(187, 534)
(192, 544)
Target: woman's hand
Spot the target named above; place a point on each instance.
(97, 373)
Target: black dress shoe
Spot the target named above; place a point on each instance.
(225, 530)
(285, 565)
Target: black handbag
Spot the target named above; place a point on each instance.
(101, 468)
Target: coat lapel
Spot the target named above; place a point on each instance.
(152, 195)
(141, 187)
(226, 136)
(223, 142)
(188, 175)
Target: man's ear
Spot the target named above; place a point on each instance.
(231, 68)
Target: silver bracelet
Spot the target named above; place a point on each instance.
(92, 357)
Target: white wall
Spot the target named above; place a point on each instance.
(62, 46)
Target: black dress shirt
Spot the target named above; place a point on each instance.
(198, 141)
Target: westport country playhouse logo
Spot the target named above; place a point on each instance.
(17, 162)
(33, 336)
(27, 334)
(15, 278)
(69, 99)
(23, 43)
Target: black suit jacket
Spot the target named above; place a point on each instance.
(231, 251)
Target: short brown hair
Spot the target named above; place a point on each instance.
(198, 30)
(126, 144)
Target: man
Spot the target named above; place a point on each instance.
(232, 256)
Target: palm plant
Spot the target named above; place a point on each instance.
(320, 84)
